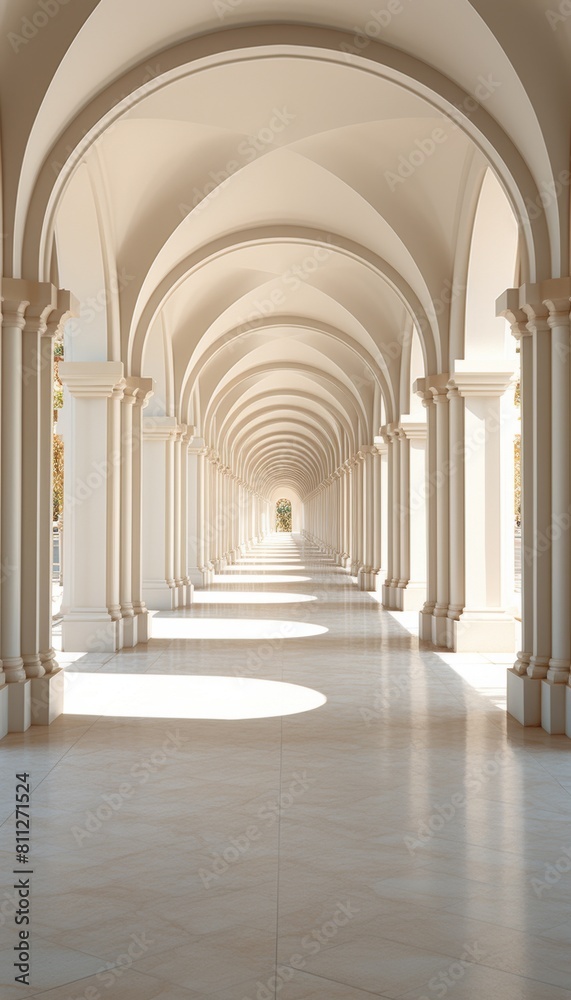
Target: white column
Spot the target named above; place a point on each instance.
(537, 314)
(91, 468)
(179, 444)
(158, 582)
(187, 585)
(26, 307)
(390, 590)
(429, 493)
(47, 691)
(130, 620)
(556, 297)
(438, 387)
(412, 437)
(379, 514)
(484, 626)
(367, 580)
(346, 554)
(457, 512)
(389, 560)
(523, 688)
(143, 394)
(196, 460)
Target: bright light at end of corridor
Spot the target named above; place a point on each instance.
(156, 696)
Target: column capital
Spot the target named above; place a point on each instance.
(67, 307)
(139, 389)
(381, 446)
(557, 297)
(508, 307)
(27, 300)
(92, 379)
(160, 428)
(482, 378)
(532, 304)
(437, 387)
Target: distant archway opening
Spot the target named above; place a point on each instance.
(283, 515)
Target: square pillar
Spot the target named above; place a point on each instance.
(412, 436)
(159, 435)
(484, 626)
(92, 621)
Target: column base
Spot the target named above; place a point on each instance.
(440, 630)
(553, 707)
(524, 699)
(47, 698)
(130, 631)
(143, 626)
(485, 633)
(19, 706)
(354, 568)
(367, 578)
(93, 634)
(4, 728)
(425, 626)
(159, 596)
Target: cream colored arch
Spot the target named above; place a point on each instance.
(35, 220)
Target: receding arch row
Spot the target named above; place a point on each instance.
(218, 352)
(333, 415)
(239, 384)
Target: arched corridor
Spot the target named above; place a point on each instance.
(258, 260)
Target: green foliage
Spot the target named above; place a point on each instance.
(58, 478)
(283, 515)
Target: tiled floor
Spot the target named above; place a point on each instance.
(404, 840)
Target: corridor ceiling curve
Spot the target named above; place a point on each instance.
(273, 216)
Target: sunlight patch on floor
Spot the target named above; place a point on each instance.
(231, 628)
(156, 696)
(249, 597)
